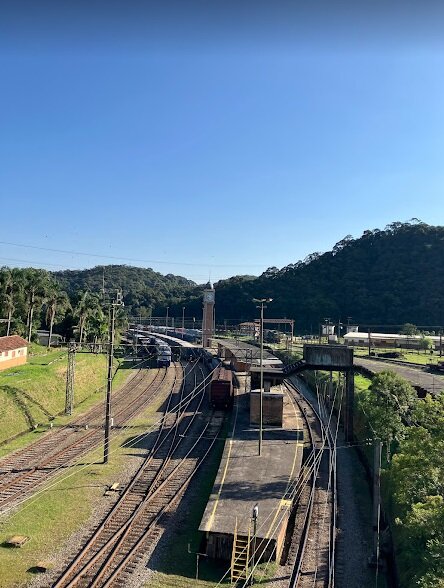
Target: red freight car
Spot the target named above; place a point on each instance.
(221, 388)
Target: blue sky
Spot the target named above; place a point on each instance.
(196, 145)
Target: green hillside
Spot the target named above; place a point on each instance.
(389, 276)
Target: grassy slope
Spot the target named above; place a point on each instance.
(33, 393)
(64, 507)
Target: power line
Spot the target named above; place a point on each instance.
(127, 258)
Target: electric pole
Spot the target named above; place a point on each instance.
(113, 304)
(376, 499)
(262, 302)
(183, 320)
(69, 398)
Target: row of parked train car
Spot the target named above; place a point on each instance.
(190, 335)
(221, 391)
(221, 386)
(152, 346)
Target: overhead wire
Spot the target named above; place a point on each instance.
(28, 501)
(292, 493)
(314, 467)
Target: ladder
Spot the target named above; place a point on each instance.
(240, 556)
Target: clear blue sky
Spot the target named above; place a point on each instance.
(221, 141)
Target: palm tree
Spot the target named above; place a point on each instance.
(9, 307)
(36, 287)
(12, 288)
(98, 325)
(88, 306)
(57, 302)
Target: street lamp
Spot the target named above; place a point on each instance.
(254, 517)
(261, 302)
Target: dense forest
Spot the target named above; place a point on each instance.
(71, 303)
(386, 277)
(143, 288)
(389, 276)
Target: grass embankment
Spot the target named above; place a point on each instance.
(65, 505)
(423, 358)
(32, 395)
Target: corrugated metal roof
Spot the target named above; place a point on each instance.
(12, 342)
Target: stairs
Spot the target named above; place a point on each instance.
(240, 557)
(294, 368)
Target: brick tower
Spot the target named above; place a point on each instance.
(208, 314)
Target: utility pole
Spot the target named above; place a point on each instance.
(376, 499)
(113, 304)
(262, 302)
(254, 517)
(166, 318)
(183, 320)
(369, 343)
(440, 343)
(69, 399)
(327, 327)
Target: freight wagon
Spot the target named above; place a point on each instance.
(221, 389)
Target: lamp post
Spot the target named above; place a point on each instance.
(183, 320)
(261, 302)
(327, 327)
(254, 517)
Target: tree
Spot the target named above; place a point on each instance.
(422, 544)
(7, 297)
(425, 343)
(409, 329)
(56, 304)
(388, 405)
(36, 287)
(87, 306)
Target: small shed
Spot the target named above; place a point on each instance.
(13, 351)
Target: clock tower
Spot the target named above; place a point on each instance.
(208, 314)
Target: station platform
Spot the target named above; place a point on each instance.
(246, 479)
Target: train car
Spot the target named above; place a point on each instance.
(163, 354)
(221, 389)
(163, 360)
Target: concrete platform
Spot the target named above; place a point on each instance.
(245, 479)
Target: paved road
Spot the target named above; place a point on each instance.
(431, 382)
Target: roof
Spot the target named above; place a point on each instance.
(12, 342)
(362, 335)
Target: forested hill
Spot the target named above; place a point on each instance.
(389, 276)
(143, 288)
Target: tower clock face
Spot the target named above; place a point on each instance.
(209, 296)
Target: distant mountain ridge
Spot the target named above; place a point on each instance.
(385, 277)
(389, 276)
(143, 288)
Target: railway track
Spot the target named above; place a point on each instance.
(184, 439)
(24, 470)
(312, 550)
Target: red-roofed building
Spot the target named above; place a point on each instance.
(13, 351)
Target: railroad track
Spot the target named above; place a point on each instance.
(28, 468)
(184, 439)
(312, 550)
